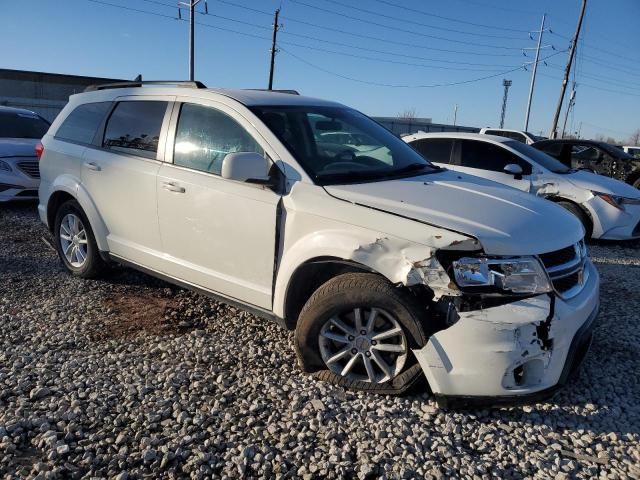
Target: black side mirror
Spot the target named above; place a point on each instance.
(513, 169)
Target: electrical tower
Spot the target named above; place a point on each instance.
(506, 84)
(192, 26)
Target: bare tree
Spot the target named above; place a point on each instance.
(634, 139)
(409, 114)
(612, 141)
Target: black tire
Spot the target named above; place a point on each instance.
(94, 266)
(636, 183)
(580, 215)
(346, 292)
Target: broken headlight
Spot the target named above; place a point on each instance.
(616, 200)
(513, 275)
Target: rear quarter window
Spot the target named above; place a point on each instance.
(82, 123)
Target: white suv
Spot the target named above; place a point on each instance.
(387, 267)
(518, 135)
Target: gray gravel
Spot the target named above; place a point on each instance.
(130, 377)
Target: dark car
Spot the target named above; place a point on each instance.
(598, 157)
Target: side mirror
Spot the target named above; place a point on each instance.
(513, 169)
(248, 167)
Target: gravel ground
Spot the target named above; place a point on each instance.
(130, 377)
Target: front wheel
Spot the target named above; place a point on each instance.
(358, 330)
(75, 242)
(577, 212)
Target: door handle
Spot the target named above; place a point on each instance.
(172, 187)
(92, 166)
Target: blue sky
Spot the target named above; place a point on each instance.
(449, 39)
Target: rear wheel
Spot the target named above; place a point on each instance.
(75, 242)
(580, 215)
(358, 330)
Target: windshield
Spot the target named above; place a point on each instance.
(539, 157)
(22, 125)
(339, 145)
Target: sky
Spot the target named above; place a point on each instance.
(382, 57)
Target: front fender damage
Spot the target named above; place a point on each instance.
(494, 351)
(408, 264)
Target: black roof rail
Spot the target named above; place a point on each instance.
(290, 92)
(177, 83)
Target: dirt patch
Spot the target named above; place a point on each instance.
(132, 315)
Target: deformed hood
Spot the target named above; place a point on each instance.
(18, 147)
(506, 221)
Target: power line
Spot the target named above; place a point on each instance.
(370, 37)
(429, 14)
(413, 22)
(593, 47)
(413, 32)
(462, 82)
(596, 87)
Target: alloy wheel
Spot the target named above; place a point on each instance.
(73, 240)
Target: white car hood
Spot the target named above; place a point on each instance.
(18, 147)
(506, 221)
(600, 183)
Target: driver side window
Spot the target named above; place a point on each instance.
(204, 136)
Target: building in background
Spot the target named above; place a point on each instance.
(401, 126)
(44, 93)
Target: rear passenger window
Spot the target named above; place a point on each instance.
(488, 156)
(134, 127)
(82, 123)
(204, 136)
(437, 150)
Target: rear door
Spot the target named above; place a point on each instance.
(217, 233)
(120, 176)
(487, 160)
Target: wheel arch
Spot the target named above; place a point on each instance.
(68, 188)
(633, 177)
(582, 208)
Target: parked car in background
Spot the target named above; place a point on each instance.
(597, 157)
(20, 132)
(519, 135)
(634, 151)
(386, 270)
(608, 209)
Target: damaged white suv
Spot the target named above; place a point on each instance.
(389, 268)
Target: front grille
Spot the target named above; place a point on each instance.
(566, 269)
(30, 168)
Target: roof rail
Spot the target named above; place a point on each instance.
(290, 92)
(177, 83)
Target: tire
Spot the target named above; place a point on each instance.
(92, 266)
(339, 297)
(636, 183)
(577, 212)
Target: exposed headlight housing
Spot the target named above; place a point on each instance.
(5, 166)
(616, 200)
(521, 275)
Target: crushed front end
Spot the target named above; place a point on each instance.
(518, 344)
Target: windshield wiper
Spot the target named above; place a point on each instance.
(415, 167)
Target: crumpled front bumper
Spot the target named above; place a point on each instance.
(513, 353)
(611, 223)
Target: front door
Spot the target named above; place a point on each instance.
(217, 234)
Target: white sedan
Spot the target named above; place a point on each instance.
(608, 209)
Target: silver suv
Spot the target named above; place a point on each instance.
(389, 268)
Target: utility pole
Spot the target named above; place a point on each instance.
(506, 84)
(192, 27)
(276, 27)
(455, 114)
(533, 74)
(572, 101)
(553, 133)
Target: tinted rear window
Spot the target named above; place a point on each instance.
(82, 124)
(22, 125)
(436, 149)
(134, 127)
